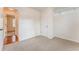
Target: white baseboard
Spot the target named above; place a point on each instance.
(29, 37)
(50, 37)
(67, 39)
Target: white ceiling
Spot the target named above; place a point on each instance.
(56, 9)
(61, 9)
(39, 8)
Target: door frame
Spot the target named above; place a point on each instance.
(14, 12)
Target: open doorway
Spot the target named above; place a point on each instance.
(10, 26)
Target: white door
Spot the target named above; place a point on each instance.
(1, 31)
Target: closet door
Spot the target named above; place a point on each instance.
(26, 28)
(44, 24)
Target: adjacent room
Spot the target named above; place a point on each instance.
(39, 29)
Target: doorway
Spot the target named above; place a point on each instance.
(11, 26)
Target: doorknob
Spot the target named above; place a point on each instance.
(1, 29)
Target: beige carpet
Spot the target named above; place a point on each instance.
(41, 43)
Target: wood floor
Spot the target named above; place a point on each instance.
(41, 43)
(9, 39)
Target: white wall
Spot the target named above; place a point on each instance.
(66, 25)
(47, 22)
(63, 25)
(29, 23)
